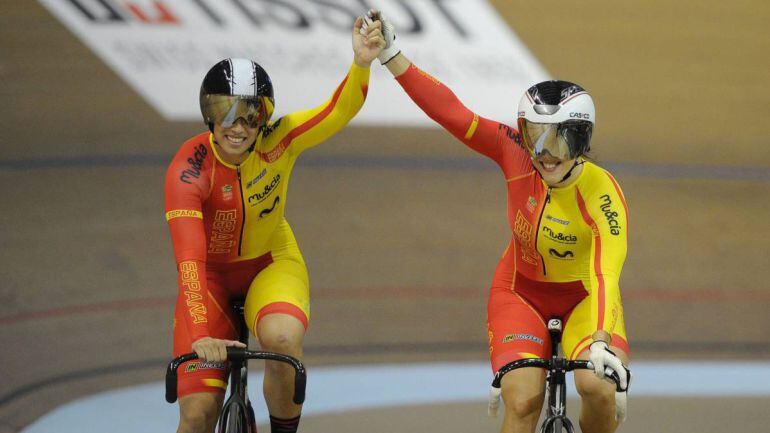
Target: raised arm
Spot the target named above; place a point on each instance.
(304, 129)
(439, 102)
(443, 106)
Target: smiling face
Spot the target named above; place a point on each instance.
(555, 148)
(234, 142)
(553, 169)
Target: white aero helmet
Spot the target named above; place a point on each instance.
(557, 118)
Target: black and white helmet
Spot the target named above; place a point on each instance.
(556, 117)
(236, 89)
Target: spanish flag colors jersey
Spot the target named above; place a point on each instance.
(575, 233)
(564, 240)
(219, 213)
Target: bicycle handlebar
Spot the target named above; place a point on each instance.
(567, 365)
(239, 354)
(551, 364)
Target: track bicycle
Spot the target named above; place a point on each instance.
(237, 414)
(556, 420)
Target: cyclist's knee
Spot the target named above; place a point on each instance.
(282, 334)
(523, 396)
(522, 404)
(198, 412)
(591, 387)
(282, 342)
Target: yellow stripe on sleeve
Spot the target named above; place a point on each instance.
(177, 213)
(472, 128)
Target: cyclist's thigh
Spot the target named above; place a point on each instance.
(198, 375)
(516, 330)
(524, 385)
(283, 286)
(579, 327)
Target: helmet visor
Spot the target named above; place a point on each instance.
(225, 110)
(565, 140)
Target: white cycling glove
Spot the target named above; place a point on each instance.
(388, 33)
(605, 363)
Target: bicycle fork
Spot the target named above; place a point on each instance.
(556, 420)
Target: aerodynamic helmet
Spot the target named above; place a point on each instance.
(236, 89)
(556, 117)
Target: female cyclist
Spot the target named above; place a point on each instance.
(569, 222)
(225, 199)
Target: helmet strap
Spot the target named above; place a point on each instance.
(567, 175)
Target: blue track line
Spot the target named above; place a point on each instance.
(347, 388)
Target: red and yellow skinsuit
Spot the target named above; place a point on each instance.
(568, 245)
(230, 237)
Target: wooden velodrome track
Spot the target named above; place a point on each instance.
(400, 256)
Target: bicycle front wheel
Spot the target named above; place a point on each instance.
(234, 420)
(556, 424)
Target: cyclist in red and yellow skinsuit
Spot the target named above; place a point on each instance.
(225, 199)
(569, 222)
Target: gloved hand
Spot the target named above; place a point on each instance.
(605, 363)
(388, 32)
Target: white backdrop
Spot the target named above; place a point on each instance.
(163, 48)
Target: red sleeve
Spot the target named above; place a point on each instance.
(185, 191)
(443, 106)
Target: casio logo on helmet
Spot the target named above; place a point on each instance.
(580, 116)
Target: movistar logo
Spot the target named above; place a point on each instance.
(267, 211)
(558, 255)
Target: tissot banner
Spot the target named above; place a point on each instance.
(163, 48)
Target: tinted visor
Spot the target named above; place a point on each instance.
(225, 110)
(565, 140)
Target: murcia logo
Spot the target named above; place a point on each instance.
(510, 133)
(269, 188)
(559, 237)
(610, 214)
(196, 164)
